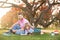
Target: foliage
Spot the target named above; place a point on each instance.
(30, 9)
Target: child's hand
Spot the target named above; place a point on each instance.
(22, 28)
(32, 27)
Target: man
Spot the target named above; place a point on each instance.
(19, 26)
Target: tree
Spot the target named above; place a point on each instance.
(38, 11)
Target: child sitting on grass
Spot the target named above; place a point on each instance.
(27, 30)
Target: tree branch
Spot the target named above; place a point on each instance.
(3, 3)
(55, 3)
(45, 25)
(40, 5)
(41, 15)
(27, 4)
(33, 3)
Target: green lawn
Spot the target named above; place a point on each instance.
(35, 36)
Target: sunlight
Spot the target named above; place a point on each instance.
(3, 11)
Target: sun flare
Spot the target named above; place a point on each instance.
(3, 11)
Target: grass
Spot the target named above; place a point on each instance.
(35, 36)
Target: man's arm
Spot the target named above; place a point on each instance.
(29, 24)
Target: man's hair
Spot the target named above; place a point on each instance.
(20, 13)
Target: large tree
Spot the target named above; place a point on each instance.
(38, 11)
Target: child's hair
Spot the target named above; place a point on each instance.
(27, 25)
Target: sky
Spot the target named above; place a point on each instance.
(3, 11)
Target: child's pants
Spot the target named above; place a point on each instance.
(24, 32)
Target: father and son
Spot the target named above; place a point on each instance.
(22, 26)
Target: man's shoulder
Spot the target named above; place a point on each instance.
(26, 20)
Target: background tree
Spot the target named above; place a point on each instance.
(38, 11)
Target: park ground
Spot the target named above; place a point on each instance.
(35, 36)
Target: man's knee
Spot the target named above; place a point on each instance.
(16, 27)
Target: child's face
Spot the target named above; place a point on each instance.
(27, 26)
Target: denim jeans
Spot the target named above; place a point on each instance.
(16, 27)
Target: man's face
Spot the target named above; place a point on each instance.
(20, 16)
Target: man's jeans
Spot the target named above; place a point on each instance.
(16, 27)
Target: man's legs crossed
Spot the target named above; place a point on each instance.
(15, 27)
